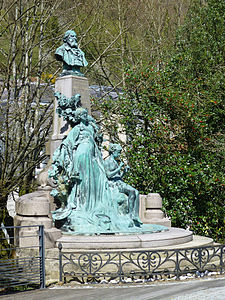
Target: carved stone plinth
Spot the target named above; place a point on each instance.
(151, 210)
(68, 86)
(34, 209)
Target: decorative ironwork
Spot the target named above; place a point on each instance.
(147, 265)
(22, 260)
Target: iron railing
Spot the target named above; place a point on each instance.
(22, 256)
(147, 265)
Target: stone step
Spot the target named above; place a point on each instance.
(173, 236)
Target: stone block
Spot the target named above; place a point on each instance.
(29, 221)
(164, 222)
(68, 86)
(71, 85)
(142, 206)
(150, 210)
(153, 200)
(153, 214)
(47, 189)
(34, 209)
(33, 204)
(41, 208)
(51, 235)
(29, 237)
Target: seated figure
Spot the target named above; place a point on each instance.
(115, 173)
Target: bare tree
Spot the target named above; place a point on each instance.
(116, 33)
(29, 33)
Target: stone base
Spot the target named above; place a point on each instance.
(33, 204)
(34, 209)
(164, 222)
(30, 221)
(52, 255)
(151, 210)
(26, 237)
(172, 237)
(68, 86)
(51, 235)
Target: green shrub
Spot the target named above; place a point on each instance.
(173, 114)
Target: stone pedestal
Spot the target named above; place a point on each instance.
(34, 209)
(68, 86)
(173, 236)
(151, 210)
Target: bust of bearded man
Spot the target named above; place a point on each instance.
(71, 55)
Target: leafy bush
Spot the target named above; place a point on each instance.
(173, 115)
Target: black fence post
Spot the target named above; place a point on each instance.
(60, 261)
(177, 266)
(120, 267)
(222, 266)
(42, 256)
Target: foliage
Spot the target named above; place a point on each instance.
(173, 114)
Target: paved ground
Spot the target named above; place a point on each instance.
(203, 289)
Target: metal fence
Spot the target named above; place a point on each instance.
(22, 256)
(148, 265)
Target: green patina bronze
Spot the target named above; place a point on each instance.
(71, 55)
(92, 196)
(127, 196)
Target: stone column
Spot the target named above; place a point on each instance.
(68, 86)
